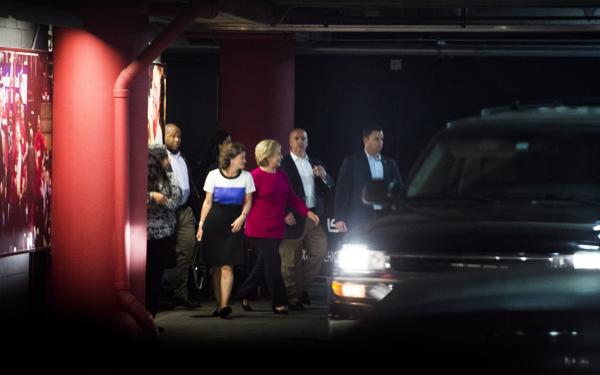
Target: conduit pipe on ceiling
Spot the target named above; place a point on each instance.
(126, 300)
(462, 51)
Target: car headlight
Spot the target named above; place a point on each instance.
(586, 260)
(359, 259)
(349, 289)
(580, 260)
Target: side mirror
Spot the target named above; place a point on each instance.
(381, 192)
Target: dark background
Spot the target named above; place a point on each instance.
(192, 99)
(337, 95)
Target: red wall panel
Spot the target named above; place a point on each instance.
(257, 90)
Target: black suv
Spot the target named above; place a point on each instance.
(511, 188)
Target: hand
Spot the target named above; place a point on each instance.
(236, 226)
(319, 171)
(290, 219)
(311, 215)
(341, 226)
(199, 234)
(159, 198)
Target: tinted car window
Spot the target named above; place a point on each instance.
(552, 164)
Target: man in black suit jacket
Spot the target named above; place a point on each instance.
(355, 172)
(310, 182)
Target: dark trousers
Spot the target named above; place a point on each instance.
(158, 254)
(269, 264)
(185, 237)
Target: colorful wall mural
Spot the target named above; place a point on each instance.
(25, 150)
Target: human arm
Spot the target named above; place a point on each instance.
(157, 197)
(325, 181)
(238, 223)
(298, 205)
(209, 188)
(206, 206)
(290, 219)
(171, 201)
(341, 226)
(293, 201)
(311, 215)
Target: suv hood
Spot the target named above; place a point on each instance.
(473, 229)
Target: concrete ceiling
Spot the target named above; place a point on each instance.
(408, 25)
(427, 27)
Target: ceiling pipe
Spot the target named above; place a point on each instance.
(438, 3)
(426, 29)
(126, 300)
(465, 51)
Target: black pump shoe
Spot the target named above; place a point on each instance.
(216, 313)
(225, 311)
(283, 311)
(246, 306)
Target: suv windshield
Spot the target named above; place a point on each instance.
(557, 164)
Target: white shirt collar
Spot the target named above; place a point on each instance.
(376, 157)
(296, 157)
(178, 154)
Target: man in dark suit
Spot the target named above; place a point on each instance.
(310, 182)
(187, 216)
(355, 172)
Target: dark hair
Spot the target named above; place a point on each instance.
(229, 153)
(366, 132)
(157, 175)
(214, 141)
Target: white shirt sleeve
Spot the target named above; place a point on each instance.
(250, 188)
(209, 184)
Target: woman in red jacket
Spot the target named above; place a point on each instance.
(265, 223)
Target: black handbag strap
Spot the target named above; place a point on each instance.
(199, 269)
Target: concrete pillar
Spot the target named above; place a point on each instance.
(257, 89)
(86, 64)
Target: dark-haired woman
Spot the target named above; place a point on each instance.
(210, 160)
(228, 200)
(163, 195)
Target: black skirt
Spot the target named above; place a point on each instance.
(219, 245)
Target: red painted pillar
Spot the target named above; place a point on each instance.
(257, 89)
(86, 65)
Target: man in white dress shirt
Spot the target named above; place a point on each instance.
(189, 207)
(355, 172)
(310, 182)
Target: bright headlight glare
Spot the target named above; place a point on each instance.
(586, 260)
(357, 258)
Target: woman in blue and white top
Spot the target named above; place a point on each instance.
(228, 200)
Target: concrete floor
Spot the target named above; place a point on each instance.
(259, 326)
(259, 330)
(191, 339)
